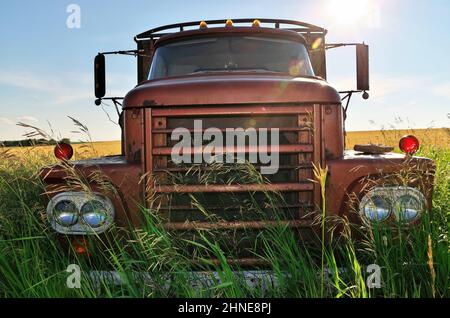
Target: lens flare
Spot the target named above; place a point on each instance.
(316, 44)
(296, 67)
(349, 12)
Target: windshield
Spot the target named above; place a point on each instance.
(231, 53)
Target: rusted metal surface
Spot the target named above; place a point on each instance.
(355, 173)
(318, 146)
(113, 176)
(148, 143)
(166, 151)
(159, 140)
(223, 188)
(255, 225)
(281, 129)
(236, 207)
(252, 114)
(305, 137)
(231, 110)
(288, 25)
(373, 149)
(203, 168)
(362, 67)
(332, 122)
(221, 31)
(144, 59)
(134, 135)
(216, 89)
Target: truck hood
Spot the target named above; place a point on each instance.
(210, 89)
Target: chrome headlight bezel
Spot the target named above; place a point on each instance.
(393, 195)
(385, 209)
(80, 199)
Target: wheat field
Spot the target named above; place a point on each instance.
(81, 150)
(439, 138)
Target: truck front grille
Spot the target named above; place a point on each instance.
(233, 196)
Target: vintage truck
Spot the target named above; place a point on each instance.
(208, 79)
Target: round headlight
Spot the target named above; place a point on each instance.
(94, 213)
(65, 213)
(376, 209)
(408, 208)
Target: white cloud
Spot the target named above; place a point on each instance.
(28, 118)
(397, 102)
(70, 93)
(381, 85)
(25, 80)
(6, 121)
(55, 89)
(442, 90)
(63, 88)
(343, 84)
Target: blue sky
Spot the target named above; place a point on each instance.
(46, 68)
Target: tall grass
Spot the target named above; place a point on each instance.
(414, 263)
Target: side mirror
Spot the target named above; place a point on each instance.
(362, 67)
(99, 76)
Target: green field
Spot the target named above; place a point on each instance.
(414, 263)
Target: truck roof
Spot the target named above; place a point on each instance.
(224, 31)
(305, 29)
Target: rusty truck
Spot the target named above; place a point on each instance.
(203, 77)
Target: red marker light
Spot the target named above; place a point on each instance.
(63, 151)
(80, 246)
(409, 144)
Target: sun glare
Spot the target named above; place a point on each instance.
(349, 12)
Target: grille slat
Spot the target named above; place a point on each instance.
(178, 226)
(224, 188)
(166, 151)
(281, 129)
(215, 208)
(199, 168)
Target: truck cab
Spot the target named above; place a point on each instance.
(262, 82)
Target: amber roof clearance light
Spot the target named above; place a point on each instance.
(229, 23)
(256, 23)
(409, 144)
